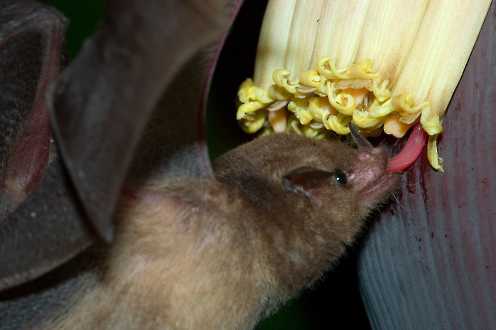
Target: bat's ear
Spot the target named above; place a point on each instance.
(41, 223)
(306, 180)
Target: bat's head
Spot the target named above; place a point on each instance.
(314, 178)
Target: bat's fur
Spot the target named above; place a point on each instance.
(221, 253)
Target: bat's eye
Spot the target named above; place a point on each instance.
(340, 177)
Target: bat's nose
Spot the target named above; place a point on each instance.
(369, 167)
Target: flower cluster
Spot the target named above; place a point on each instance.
(326, 99)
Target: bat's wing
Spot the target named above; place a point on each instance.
(99, 110)
(431, 262)
(147, 57)
(30, 43)
(41, 225)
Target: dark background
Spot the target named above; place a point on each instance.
(334, 302)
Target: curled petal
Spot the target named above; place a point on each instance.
(311, 78)
(248, 108)
(378, 110)
(364, 120)
(300, 110)
(243, 94)
(310, 132)
(282, 79)
(337, 123)
(381, 90)
(294, 126)
(432, 154)
(254, 122)
(248, 92)
(343, 103)
(319, 106)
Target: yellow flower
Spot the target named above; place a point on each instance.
(382, 64)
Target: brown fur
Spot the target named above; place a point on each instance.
(222, 253)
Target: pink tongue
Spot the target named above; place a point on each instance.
(410, 152)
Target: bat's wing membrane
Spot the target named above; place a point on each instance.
(108, 94)
(99, 110)
(41, 223)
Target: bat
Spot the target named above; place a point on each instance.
(221, 252)
(190, 246)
